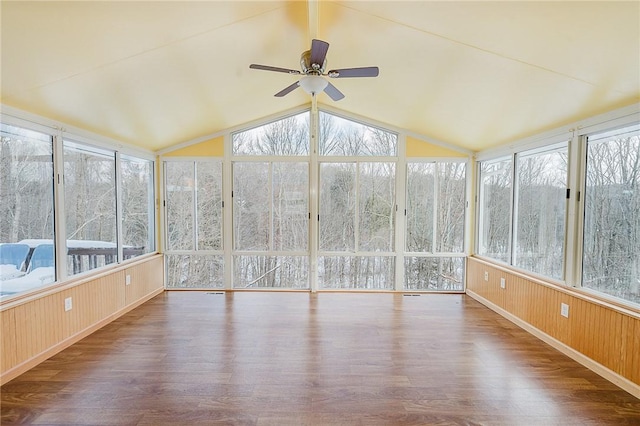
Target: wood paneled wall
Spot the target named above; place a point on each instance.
(603, 332)
(37, 327)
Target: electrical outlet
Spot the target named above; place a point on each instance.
(68, 304)
(486, 275)
(127, 280)
(503, 283)
(564, 310)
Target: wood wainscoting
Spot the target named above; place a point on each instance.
(601, 335)
(37, 326)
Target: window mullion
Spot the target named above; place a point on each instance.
(314, 201)
(195, 205)
(118, 194)
(356, 209)
(59, 217)
(575, 212)
(398, 212)
(227, 213)
(271, 207)
(512, 212)
(434, 218)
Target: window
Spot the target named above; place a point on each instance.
(611, 254)
(342, 137)
(27, 258)
(540, 211)
(108, 213)
(524, 224)
(271, 205)
(193, 212)
(138, 215)
(436, 208)
(285, 137)
(356, 205)
(349, 227)
(337, 207)
(90, 207)
(494, 225)
(356, 272)
(271, 215)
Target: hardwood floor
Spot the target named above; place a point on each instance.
(253, 358)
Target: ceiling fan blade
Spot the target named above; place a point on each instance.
(319, 50)
(287, 89)
(354, 72)
(276, 69)
(333, 93)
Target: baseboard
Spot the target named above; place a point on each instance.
(25, 366)
(612, 376)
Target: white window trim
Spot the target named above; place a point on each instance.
(576, 134)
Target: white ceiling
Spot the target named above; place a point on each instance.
(474, 74)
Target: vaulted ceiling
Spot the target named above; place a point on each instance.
(473, 74)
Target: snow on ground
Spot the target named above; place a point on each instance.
(37, 278)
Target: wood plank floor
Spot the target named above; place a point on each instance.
(187, 358)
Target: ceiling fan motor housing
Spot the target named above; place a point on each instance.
(309, 68)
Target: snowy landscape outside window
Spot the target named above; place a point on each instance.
(271, 205)
(356, 205)
(193, 213)
(27, 259)
(494, 205)
(90, 206)
(540, 211)
(138, 214)
(611, 255)
(434, 237)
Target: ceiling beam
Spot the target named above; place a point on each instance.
(313, 7)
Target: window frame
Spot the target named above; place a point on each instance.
(576, 138)
(90, 141)
(152, 216)
(434, 254)
(233, 254)
(194, 232)
(605, 132)
(479, 217)
(515, 207)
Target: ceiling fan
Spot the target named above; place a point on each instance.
(313, 64)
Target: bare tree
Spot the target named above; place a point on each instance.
(26, 185)
(612, 217)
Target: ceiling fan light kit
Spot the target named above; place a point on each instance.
(313, 84)
(313, 63)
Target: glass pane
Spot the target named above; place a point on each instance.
(90, 206)
(290, 188)
(209, 205)
(434, 273)
(271, 272)
(365, 273)
(611, 262)
(179, 193)
(194, 271)
(494, 205)
(377, 205)
(420, 196)
(137, 206)
(337, 206)
(289, 136)
(251, 206)
(541, 205)
(26, 210)
(340, 137)
(451, 207)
